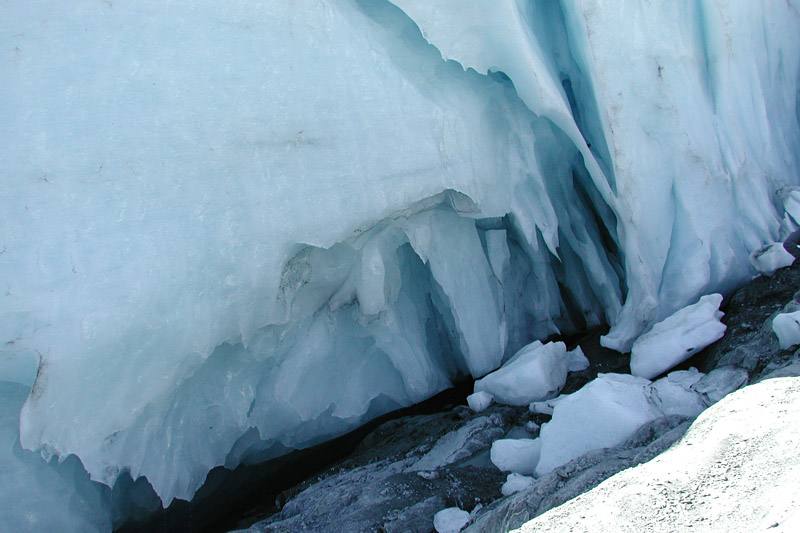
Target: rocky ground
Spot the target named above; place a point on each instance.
(409, 468)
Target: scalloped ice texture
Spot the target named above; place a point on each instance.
(232, 230)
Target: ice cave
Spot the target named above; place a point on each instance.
(231, 230)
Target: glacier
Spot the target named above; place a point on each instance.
(231, 231)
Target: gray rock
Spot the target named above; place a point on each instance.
(720, 382)
(401, 475)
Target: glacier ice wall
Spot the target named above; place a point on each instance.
(232, 230)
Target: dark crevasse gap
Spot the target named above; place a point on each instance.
(236, 499)
(231, 499)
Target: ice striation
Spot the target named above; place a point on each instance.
(229, 231)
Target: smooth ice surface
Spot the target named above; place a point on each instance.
(233, 229)
(450, 520)
(534, 373)
(603, 413)
(787, 328)
(678, 337)
(516, 455)
(479, 401)
(515, 483)
(770, 258)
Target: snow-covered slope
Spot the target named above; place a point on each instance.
(228, 230)
(736, 469)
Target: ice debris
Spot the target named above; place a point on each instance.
(516, 483)
(678, 337)
(603, 413)
(450, 520)
(787, 328)
(768, 259)
(536, 372)
(516, 455)
(479, 401)
(674, 393)
(577, 360)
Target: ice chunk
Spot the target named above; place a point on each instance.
(577, 360)
(450, 520)
(516, 455)
(678, 337)
(516, 483)
(479, 401)
(603, 413)
(787, 328)
(771, 258)
(534, 373)
(674, 394)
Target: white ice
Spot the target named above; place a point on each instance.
(674, 393)
(230, 229)
(770, 258)
(516, 455)
(534, 373)
(603, 413)
(609, 409)
(577, 360)
(678, 337)
(450, 520)
(786, 327)
(515, 483)
(479, 401)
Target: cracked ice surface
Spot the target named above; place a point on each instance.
(233, 230)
